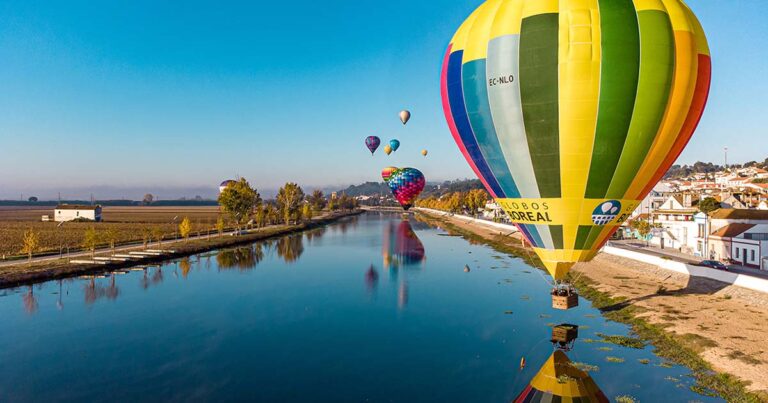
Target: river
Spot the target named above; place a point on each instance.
(372, 308)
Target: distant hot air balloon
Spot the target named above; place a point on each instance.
(387, 172)
(387, 149)
(405, 116)
(406, 185)
(424, 152)
(559, 380)
(223, 185)
(570, 120)
(395, 144)
(372, 142)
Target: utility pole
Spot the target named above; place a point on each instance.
(726, 157)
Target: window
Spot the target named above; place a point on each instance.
(752, 255)
(737, 253)
(757, 236)
(701, 231)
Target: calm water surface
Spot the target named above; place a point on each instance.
(374, 308)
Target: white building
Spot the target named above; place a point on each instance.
(71, 212)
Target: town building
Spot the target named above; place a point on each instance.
(72, 212)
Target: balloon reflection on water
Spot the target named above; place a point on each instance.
(559, 379)
(401, 246)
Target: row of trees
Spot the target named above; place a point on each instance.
(457, 202)
(244, 205)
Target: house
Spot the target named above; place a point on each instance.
(746, 244)
(739, 235)
(677, 228)
(71, 212)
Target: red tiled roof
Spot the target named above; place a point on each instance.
(739, 214)
(732, 230)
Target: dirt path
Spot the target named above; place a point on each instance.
(725, 324)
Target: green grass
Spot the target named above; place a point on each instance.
(613, 359)
(585, 367)
(644, 361)
(625, 399)
(624, 341)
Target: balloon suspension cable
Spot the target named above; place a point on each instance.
(527, 353)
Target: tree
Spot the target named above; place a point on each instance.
(709, 205)
(239, 200)
(261, 216)
(148, 199)
(30, 243)
(306, 212)
(289, 199)
(333, 204)
(317, 200)
(146, 236)
(91, 240)
(33, 199)
(111, 236)
(185, 227)
(220, 226)
(157, 233)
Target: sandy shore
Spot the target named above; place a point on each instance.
(724, 324)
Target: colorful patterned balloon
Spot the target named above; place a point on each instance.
(387, 172)
(372, 142)
(395, 144)
(406, 184)
(566, 108)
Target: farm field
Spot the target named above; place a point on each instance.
(124, 224)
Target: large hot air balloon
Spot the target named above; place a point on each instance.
(559, 380)
(570, 112)
(405, 116)
(387, 172)
(387, 149)
(372, 142)
(406, 185)
(223, 185)
(395, 144)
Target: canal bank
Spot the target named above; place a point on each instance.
(713, 328)
(24, 273)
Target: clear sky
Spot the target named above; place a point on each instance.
(177, 96)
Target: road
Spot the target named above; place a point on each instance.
(679, 257)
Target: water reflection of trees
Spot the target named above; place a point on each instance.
(243, 258)
(290, 247)
(94, 291)
(185, 266)
(315, 234)
(30, 301)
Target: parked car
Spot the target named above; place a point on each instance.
(714, 264)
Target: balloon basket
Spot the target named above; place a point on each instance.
(564, 335)
(565, 300)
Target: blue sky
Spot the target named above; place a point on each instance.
(117, 97)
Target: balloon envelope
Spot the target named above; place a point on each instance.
(405, 116)
(223, 185)
(570, 120)
(372, 142)
(388, 149)
(395, 144)
(424, 152)
(406, 184)
(387, 172)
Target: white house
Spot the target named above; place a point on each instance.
(678, 229)
(71, 212)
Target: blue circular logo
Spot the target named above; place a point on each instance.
(606, 212)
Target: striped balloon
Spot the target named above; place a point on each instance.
(570, 111)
